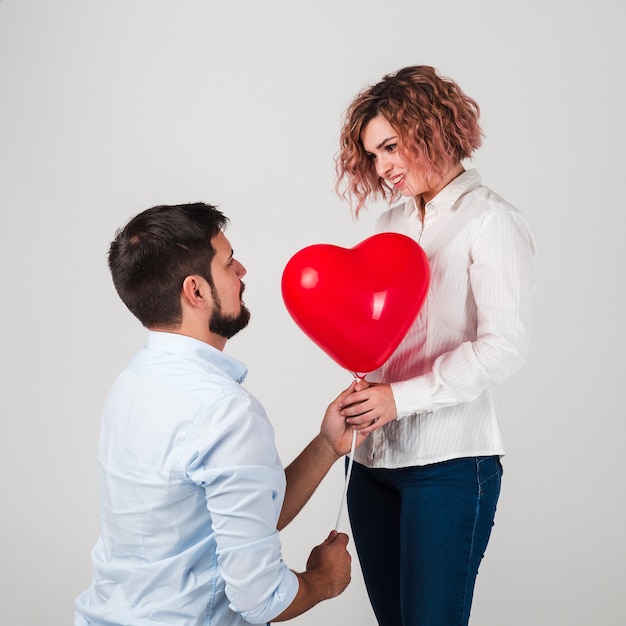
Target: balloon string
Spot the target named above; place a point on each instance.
(349, 470)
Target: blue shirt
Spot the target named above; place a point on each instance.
(191, 487)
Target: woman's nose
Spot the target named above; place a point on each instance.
(383, 166)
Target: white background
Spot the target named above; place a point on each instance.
(107, 108)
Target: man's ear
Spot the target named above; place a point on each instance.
(196, 291)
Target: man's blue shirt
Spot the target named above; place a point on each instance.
(191, 487)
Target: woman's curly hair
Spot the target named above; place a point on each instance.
(436, 121)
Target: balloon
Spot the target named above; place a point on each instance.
(357, 303)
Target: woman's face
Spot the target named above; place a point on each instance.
(381, 143)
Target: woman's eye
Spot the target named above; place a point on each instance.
(391, 147)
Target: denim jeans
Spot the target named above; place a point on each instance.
(420, 534)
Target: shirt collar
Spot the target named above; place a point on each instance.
(183, 344)
(448, 196)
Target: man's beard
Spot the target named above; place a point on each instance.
(228, 326)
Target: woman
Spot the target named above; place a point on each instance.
(425, 484)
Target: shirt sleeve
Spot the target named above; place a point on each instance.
(501, 275)
(244, 483)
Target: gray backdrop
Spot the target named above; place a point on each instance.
(110, 107)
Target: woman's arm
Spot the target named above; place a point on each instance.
(502, 281)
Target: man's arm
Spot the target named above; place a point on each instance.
(304, 474)
(308, 469)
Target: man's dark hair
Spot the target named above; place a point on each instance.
(152, 255)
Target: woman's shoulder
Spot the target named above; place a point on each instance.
(389, 219)
(484, 201)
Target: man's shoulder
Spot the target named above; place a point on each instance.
(188, 372)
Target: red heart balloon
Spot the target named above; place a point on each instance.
(357, 303)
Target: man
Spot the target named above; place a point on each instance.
(191, 486)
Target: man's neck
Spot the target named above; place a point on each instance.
(189, 330)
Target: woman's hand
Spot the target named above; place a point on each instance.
(369, 406)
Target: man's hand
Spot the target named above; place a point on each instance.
(327, 575)
(368, 408)
(335, 429)
(329, 565)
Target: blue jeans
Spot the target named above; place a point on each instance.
(420, 534)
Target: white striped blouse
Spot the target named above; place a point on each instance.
(471, 334)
